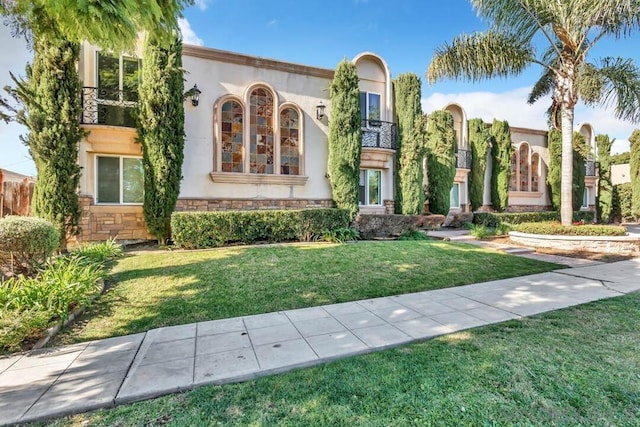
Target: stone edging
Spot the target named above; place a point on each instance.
(53, 331)
(604, 244)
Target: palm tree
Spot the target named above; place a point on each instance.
(570, 29)
(109, 24)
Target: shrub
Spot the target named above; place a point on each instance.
(340, 235)
(479, 140)
(555, 228)
(18, 326)
(493, 219)
(634, 166)
(99, 252)
(441, 160)
(605, 188)
(501, 152)
(621, 203)
(27, 241)
(414, 235)
(193, 230)
(479, 231)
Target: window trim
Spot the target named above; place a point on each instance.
(585, 198)
(367, 105)
(120, 181)
(451, 205)
(120, 67)
(366, 188)
(530, 154)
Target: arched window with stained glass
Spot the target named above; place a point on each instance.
(289, 142)
(232, 144)
(261, 132)
(524, 166)
(535, 172)
(513, 182)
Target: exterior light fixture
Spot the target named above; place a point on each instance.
(320, 110)
(194, 95)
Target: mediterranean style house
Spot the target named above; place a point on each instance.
(257, 138)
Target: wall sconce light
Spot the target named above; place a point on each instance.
(194, 95)
(320, 110)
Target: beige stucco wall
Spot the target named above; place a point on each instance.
(620, 174)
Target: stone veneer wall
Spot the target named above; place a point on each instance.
(528, 208)
(389, 207)
(101, 222)
(249, 204)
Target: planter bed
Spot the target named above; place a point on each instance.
(629, 245)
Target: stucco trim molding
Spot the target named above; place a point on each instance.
(251, 178)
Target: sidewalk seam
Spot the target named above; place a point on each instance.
(133, 359)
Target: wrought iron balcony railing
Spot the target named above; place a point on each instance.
(102, 106)
(590, 168)
(379, 134)
(463, 159)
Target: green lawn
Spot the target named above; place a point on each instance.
(160, 288)
(578, 366)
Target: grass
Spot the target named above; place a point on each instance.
(578, 366)
(154, 289)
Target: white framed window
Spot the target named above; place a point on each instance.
(119, 180)
(117, 80)
(454, 196)
(370, 106)
(370, 189)
(585, 198)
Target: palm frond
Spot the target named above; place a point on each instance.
(543, 87)
(479, 56)
(615, 83)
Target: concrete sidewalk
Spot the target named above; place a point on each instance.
(100, 374)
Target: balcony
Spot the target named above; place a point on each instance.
(101, 106)
(590, 168)
(463, 159)
(379, 134)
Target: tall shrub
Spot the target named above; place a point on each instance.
(161, 132)
(345, 137)
(634, 165)
(441, 160)
(411, 144)
(50, 108)
(554, 142)
(605, 187)
(501, 152)
(580, 153)
(479, 139)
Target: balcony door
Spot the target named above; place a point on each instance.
(117, 92)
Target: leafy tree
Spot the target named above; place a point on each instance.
(49, 106)
(480, 140)
(501, 153)
(161, 132)
(411, 147)
(605, 188)
(554, 143)
(441, 160)
(109, 24)
(345, 137)
(580, 154)
(634, 165)
(621, 158)
(570, 29)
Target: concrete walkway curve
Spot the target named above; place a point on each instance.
(54, 382)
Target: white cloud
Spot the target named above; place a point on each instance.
(188, 35)
(512, 106)
(272, 23)
(202, 4)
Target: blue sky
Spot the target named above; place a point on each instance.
(321, 33)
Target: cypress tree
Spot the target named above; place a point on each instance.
(479, 139)
(501, 156)
(441, 160)
(580, 153)
(605, 187)
(161, 132)
(50, 108)
(554, 143)
(634, 165)
(345, 137)
(411, 144)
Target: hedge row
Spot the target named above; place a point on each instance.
(555, 228)
(621, 203)
(192, 230)
(494, 219)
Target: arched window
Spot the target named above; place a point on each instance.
(513, 182)
(232, 144)
(261, 144)
(535, 172)
(289, 142)
(524, 166)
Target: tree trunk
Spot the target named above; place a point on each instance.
(566, 185)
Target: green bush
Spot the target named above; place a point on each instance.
(479, 231)
(18, 327)
(99, 252)
(193, 230)
(414, 235)
(621, 204)
(555, 228)
(340, 235)
(26, 242)
(494, 219)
